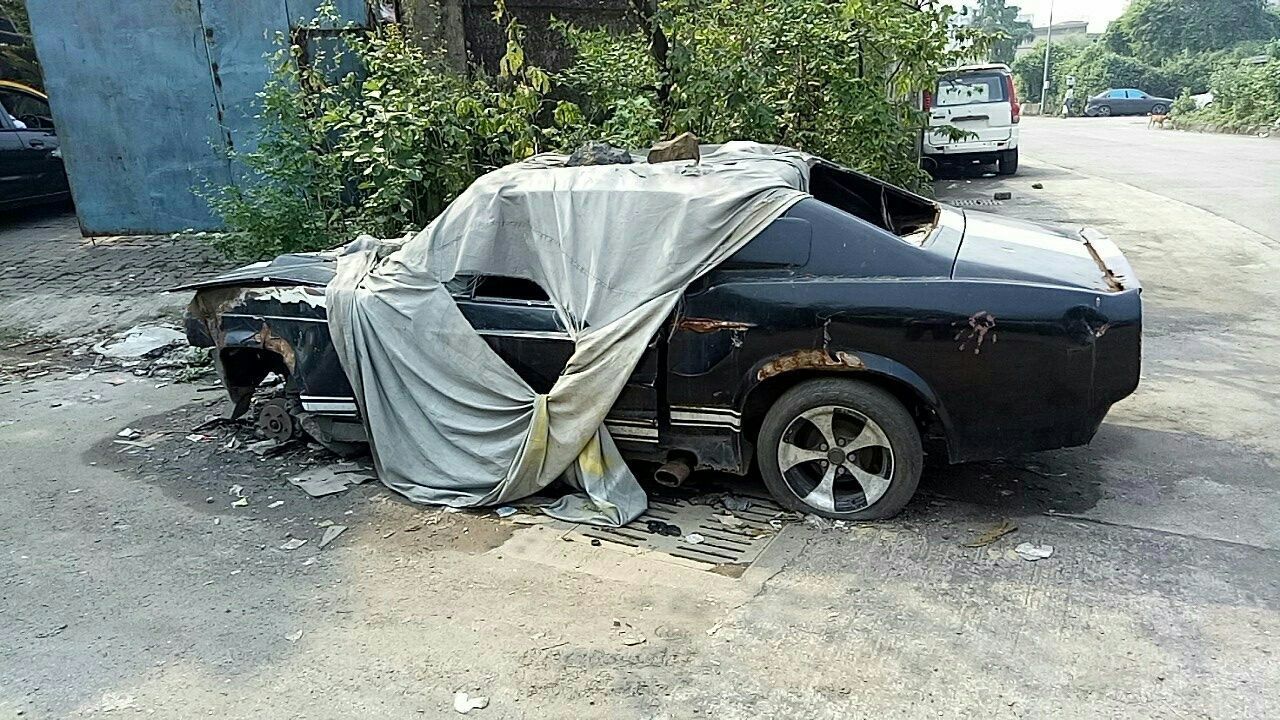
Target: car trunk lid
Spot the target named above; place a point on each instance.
(1000, 248)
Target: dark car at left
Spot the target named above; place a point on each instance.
(864, 328)
(31, 168)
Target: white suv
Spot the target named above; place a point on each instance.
(980, 102)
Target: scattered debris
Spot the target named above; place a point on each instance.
(294, 636)
(141, 341)
(729, 521)
(1003, 195)
(242, 502)
(1037, 186)
(293, 544)
(736, 503)
(198, 437)
(265, 447)
(1038, 470)
(331, 533)
(992, 534)
(628, 632)
(55, 630)
(329, 479)
(693, 538)
(276, 504)
(504, 511)
(658, 527)
(464, 703)
(1032, 552)
(129, 433)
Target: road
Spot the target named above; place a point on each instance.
(1235, 177)
(135, 583)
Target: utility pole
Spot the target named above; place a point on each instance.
(1048, 45)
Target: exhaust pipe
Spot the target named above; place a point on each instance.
(673, 472)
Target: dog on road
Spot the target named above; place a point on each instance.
(1157, 120)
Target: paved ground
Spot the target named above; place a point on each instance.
(125, 593)
(57, 281)
(1235, 177)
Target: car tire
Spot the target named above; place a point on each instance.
(872, 480)
(1104, 110)
(1008, 162)
(1159, 109)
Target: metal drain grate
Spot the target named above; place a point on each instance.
(723, 548)
(974, 203)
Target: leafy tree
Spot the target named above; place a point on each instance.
(833, 78)
(1156, 30)
(17, 54)
(1028, 70)
(1000, 19)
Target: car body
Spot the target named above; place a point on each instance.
(973, 118)
(983, 336)
(1126, 101)
(31, 169)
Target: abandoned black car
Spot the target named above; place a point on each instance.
(863, 328)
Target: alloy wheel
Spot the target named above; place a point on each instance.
(835, 459)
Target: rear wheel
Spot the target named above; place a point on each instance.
(842, 449)
(1104, 110)
(1159, 109)
(1008, 162)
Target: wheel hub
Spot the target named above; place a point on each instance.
(275, 423)
(835, 459)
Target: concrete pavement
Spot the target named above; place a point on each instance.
(1233, 176)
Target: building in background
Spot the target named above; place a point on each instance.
(1061, 31)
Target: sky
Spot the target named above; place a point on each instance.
(1097, 12)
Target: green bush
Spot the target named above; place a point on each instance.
(377, 149)
(1246, 94)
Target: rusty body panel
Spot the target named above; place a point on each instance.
(998, 337)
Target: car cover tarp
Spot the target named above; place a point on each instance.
(614, 247)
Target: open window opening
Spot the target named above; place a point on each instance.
(901, 212)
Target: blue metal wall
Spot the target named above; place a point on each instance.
(149, 94)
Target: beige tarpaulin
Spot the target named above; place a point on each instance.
(613, 246)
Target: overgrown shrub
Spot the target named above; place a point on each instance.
(1246, 94)
(375, 137)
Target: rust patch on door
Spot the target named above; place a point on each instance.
(980, 325)
(710, 325)
(810, 360)
(277, 345)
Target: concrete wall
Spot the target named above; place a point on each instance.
(149, 96)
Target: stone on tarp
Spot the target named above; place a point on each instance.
(598, 153)
(140, 341)
(681, 147)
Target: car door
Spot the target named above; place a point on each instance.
(517, 320)
(13, 186)
(1119, 102)
(35, 168)
(1138, 102)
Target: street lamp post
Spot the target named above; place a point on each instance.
(1048, 45)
